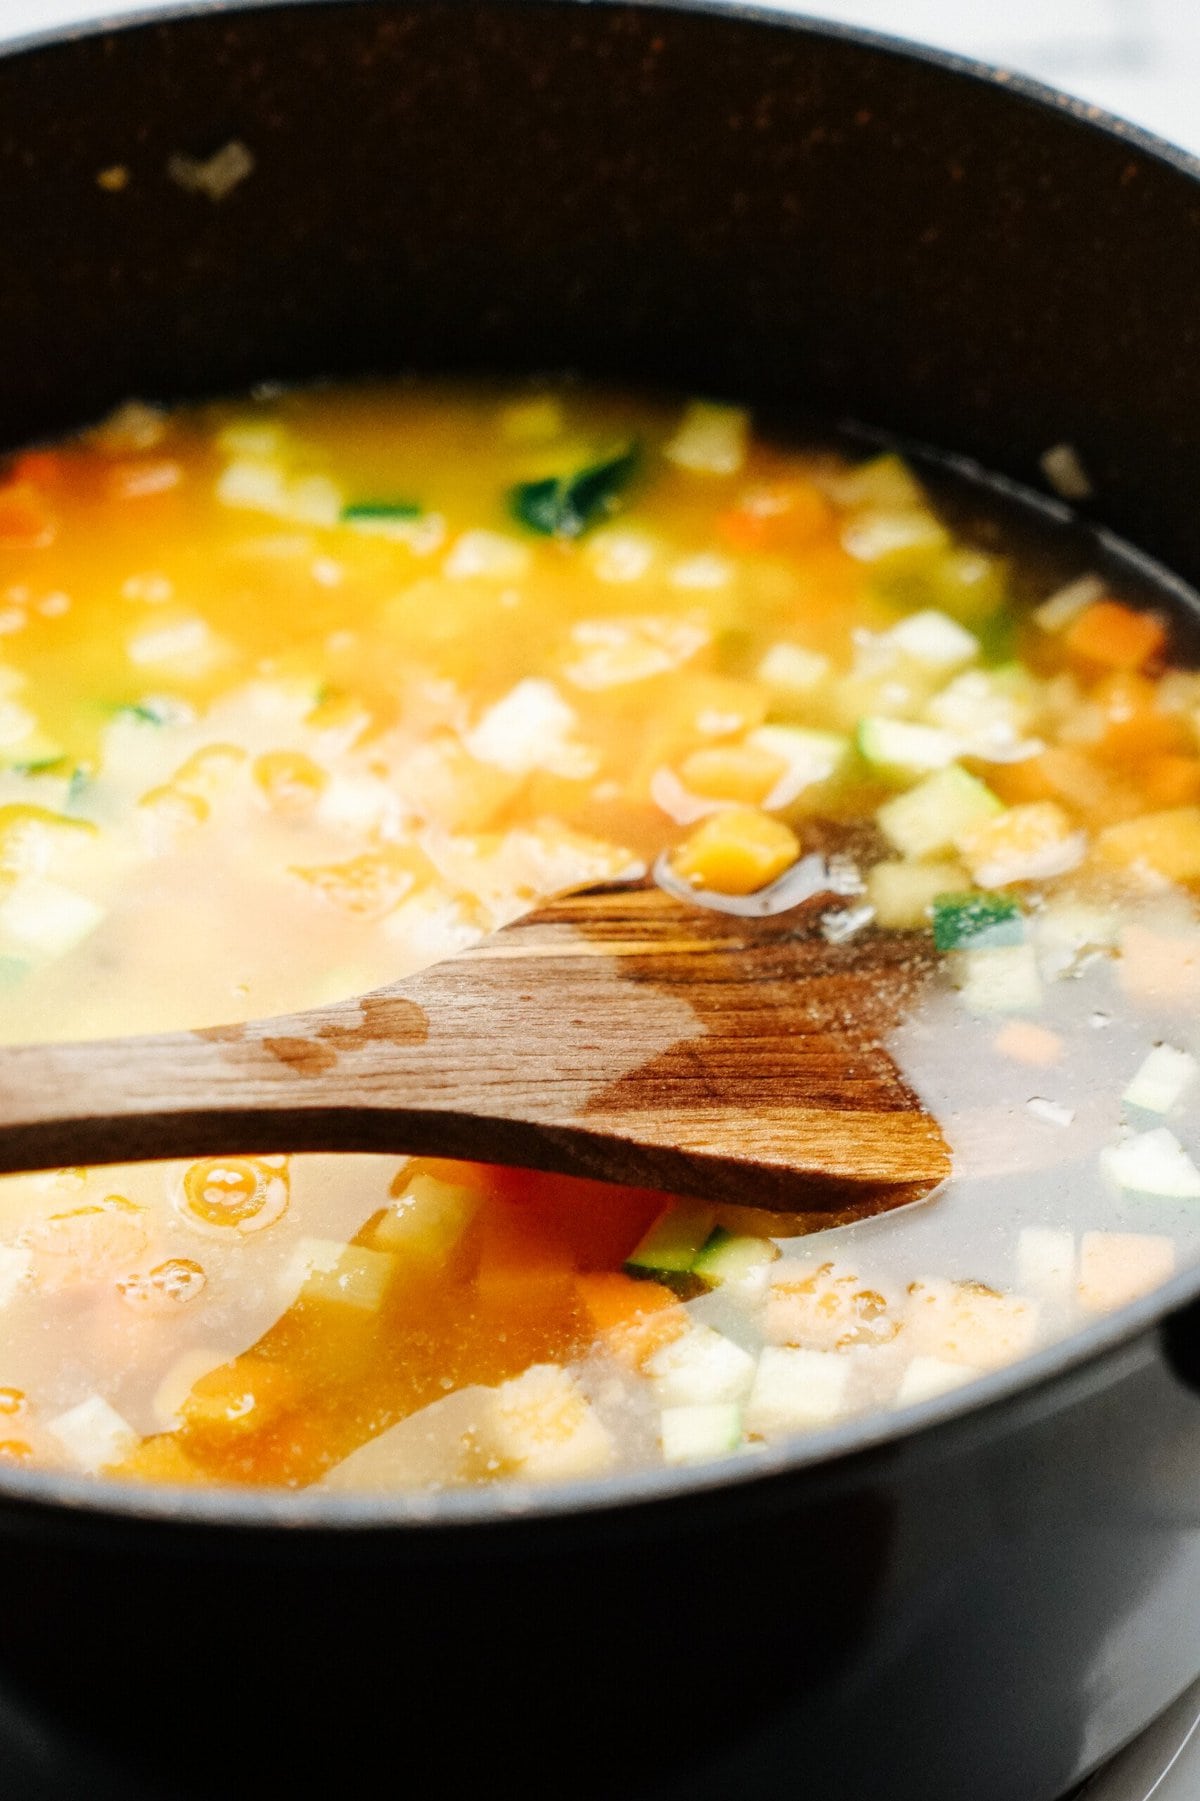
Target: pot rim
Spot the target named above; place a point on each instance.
(1049, 1377)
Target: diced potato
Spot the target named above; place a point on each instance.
(829, 1306)
(1161, 1080)
(1167, 844)
(542, 1427)
(531, 728)
(1026, 844)
(903, 894)
(16, 1264)
(426, 1219)
(1152, 1163)
(796, 1388)
(1118, 1267)
(710, 440)
(46, 916)
(736, 852)
(699, 1367)
(792, 673)
(966, 1322)
(1046, 1263)
(1160, 969)
(613, 653)
(936, 639)
(928, 1377)
(93, 1434)
(896, 543)
(344, 1275)
(487, 556)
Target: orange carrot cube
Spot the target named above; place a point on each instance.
(1115, 636)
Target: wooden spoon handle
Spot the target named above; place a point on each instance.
(609, 1036)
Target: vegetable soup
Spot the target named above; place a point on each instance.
(304, 693)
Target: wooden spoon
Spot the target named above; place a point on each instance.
(620, 1034)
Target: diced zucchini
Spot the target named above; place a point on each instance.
(708, 1429)
(734, 1257)
(710, 440)
(1162, 1080)
(935, 639)
(795, 1388)
(1004, 980)
(673, 1243)
(976, 921)
(1152, 1163)
(702, 1366)
(899, 751)
(931, 817)
(564, 506)
(903, 894)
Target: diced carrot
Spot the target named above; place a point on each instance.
(736, 851)
(733, 772)
(1134, 724)
(42, 467)
(1170, 781)
(26, 523)
(159, 1459)
(1166, 842)
(523, 1261)
(1115, 636)
(240, 1398)
(1067, 774)
(786, 515)
(1026, 1042)
(634, 1318)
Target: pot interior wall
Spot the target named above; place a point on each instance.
(693, 200)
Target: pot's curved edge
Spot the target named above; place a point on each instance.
(1048, 1379)
(1029, 87)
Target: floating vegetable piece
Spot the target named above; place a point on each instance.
(565, 506)
(1162, 1080)
(976, 921)
(364, 512)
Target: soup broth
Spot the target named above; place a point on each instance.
(303, 693)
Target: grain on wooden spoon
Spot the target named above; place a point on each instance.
(619, 1034)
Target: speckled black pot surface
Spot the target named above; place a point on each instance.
(979, 1609)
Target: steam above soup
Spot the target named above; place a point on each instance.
(302, 694)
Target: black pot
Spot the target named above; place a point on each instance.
(983, 1605)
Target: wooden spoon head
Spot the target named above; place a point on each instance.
(735, 1058)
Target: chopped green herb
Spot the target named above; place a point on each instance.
(77, 787)
(564, 506)
(147, 711)
(367, 510)
(40, 766)
(976, 922)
